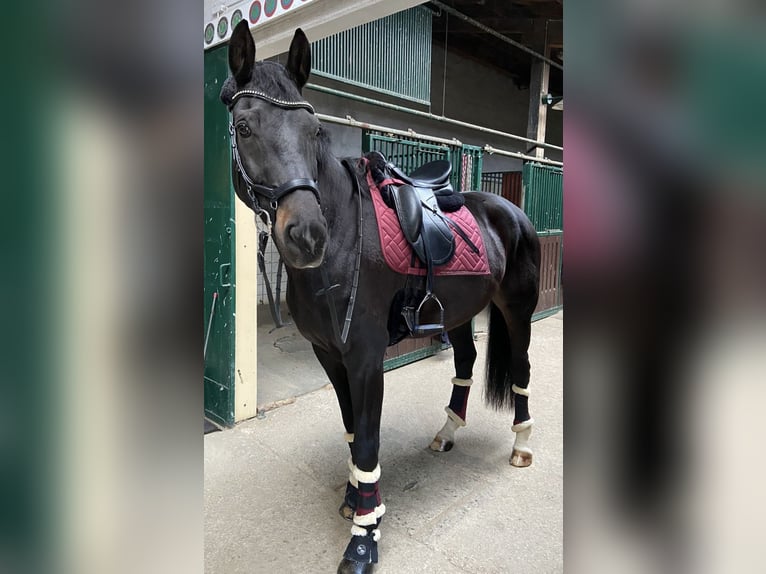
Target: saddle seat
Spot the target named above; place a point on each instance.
(433, 175)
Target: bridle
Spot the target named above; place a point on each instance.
(274, 194)
(270, 193)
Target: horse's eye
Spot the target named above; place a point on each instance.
(243, 129)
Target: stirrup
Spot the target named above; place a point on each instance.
(412, 318)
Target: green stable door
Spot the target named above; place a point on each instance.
(219, 249)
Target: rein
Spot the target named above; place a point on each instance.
(327, 289)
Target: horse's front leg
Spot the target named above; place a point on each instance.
(365, 373)
(336, 371)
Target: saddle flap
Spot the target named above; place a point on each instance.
(409, 210)
(439, 239)
(423, 225)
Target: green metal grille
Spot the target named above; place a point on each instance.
(409, 154)
(427, 348)
(470, 168)
(544, 204)
(391, 55)
(544, 196)
(492, 182)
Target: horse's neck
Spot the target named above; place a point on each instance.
(339, 202)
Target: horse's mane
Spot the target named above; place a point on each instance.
(327, 160)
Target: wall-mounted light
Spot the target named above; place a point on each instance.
(555, 102)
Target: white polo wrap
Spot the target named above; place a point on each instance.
(370, 477)
(523, 425)
(371, 518)
(454, 417)
(462, 382)
(520, 391)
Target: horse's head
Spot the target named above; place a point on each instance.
(276, 136)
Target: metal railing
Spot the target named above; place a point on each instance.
(410, 153)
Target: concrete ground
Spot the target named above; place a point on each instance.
(289, 360)
(273, 485)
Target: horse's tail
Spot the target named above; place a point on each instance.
(497, 391)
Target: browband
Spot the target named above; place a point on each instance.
(281, 103)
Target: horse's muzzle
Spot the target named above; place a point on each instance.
(305, 243)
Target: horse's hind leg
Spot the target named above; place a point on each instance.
(522, 421)
(517, 319)
(464, 355)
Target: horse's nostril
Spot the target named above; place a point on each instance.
(319, 245)
(294, 233)
(304, 238)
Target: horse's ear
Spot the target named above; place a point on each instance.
(241, 53)
(299, 59)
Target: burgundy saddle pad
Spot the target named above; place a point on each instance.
(398, 253)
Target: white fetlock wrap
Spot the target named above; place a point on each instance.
(359, 531)
(451, 415)
(370, 519)
(367, 477)
(523, 430)
(520, 391)
(524, 425)
(447, 432)
(360, 475)
(348, 437)
(462, 382)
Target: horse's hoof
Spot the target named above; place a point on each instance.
(346, 512)
(440, 444)
(521, 458)
(347, 566)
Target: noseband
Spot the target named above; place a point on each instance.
(272, 194)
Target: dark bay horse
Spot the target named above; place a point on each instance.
(324, 225)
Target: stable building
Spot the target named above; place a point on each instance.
(479, 84)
